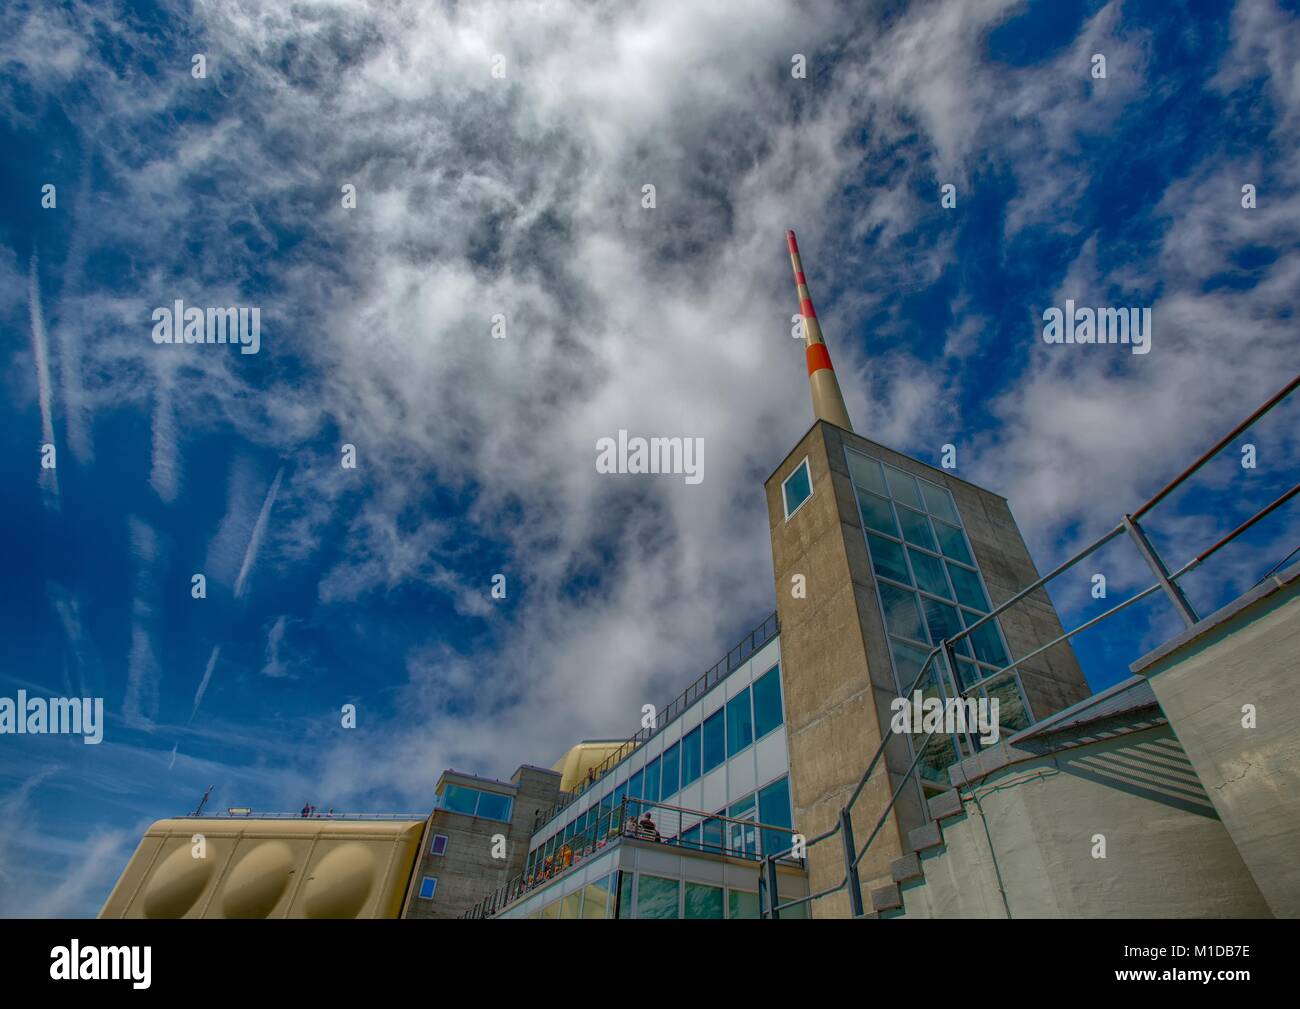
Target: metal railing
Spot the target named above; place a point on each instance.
(641, 820)
(752, 643)
(330, 815)
(944, 673)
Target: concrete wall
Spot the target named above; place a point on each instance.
(1246, 654)
(838, 675)
(1030, 831)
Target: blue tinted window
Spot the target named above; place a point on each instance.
(797, 488)
(493, 806)
(740, 723)
(672, 762)
(715, 741)
(427, 887)
(767, 702)
(691, 756)
(774, 809)
(634, 786)
(459, 799)
(619, 792)
(651, 792)
(711, 836)
(691, 838)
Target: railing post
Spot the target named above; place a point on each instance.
(1152, 558)
(772, 899)
(950, 658)
(850, 864)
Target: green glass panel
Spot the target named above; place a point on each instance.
(966, 583)
(902, 487)
(866, 473)
(876, 514)
(952, 542)
(902, 616)
(939, 502)
(916, 528)
(703, 901)
(929, 573)
(656, 897)
(887, 559)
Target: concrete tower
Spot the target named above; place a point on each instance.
(875, 555)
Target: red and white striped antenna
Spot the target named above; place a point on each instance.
(828, 401)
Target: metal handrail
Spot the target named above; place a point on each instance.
(616, 825)
(1164, 580)
(748, 646)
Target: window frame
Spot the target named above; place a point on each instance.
(432, 893)
(785, 498)
(433, 842)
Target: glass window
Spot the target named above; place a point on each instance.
(691, 756)
(551, 910)
(939, 502)
(459, 799)
(901, 613)
(703, 901)
(634, 785)
(741, 904)
(428, 886)
(742, 838)
(767, 702)
(439, 845)
(774, 809)
(908, 660)
(671, 770)
(887, 559)
(929, 573)
(651, 784)
(916, 528)
(876, 514)
(968, 588)
(943, 623)
(656, 897)
(571, 905)
(740, 723)
(953, 543)
(1012, 713)
(494, 806)
(691, 837)
(595, 898)
(866, 472)
(987, 642)
(715, 741)
(711, 835)
(625, 895)
(797, 488)
(902, 487)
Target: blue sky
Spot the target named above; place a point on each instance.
(520, 195)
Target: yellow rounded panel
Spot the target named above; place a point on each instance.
(340, 885)
(257, 883)
(176, 884)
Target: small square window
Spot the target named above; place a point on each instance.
(797, 488)
(427, 887)
(439, 845)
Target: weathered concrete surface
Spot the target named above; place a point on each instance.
(1025, 847)
(1247, 654)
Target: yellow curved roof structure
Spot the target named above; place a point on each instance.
(315, 867)
(575, 764)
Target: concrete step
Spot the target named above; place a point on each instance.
(886, 898)
(925, 837)
(906, 868)
(946, 805)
